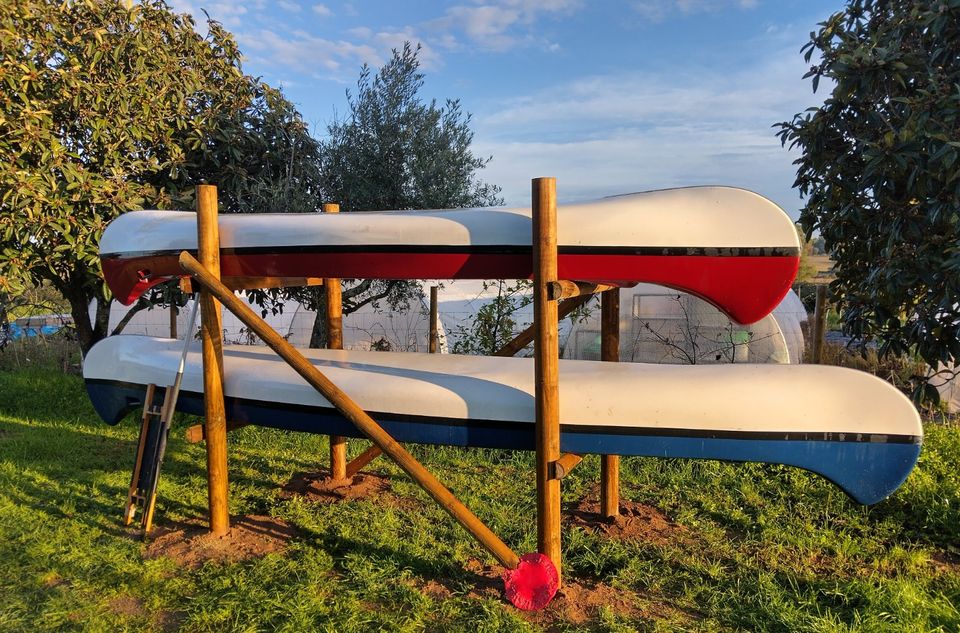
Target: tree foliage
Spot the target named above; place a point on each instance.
(879, 170)
(105, 109)
(494, 324)
(394, 151)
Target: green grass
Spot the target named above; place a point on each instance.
(762, 548)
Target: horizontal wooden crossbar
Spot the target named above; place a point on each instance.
(197, 433)
(255, 283)
(567, 462)
(564, 289)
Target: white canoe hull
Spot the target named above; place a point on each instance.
(729, 246)
(848, 426)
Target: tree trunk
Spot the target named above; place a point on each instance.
(318, 335)
(88, 332)
(4, 324)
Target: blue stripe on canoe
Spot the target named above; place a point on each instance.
(868, 471)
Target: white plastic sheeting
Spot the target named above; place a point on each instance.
(661, 325)
(365, 329)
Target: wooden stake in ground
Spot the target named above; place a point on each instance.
(338, 444)
(434, 315)
(819, 324)
(211, 335)
(352, 411)
(546, 367)
(610, 351)
(173, 319)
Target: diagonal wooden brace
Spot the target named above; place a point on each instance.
(352, 411)
(526, 337)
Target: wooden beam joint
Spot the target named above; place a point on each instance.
(564, 289)
(567, 462)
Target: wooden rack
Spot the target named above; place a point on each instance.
(553, 300)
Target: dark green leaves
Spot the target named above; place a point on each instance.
(879, 170)
(105, 109)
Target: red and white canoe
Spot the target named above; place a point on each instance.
(729, 246)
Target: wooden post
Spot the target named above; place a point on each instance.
(819, 324)
(173, 320)
(211, 334)
(610, 351)
(546, 367)
(352, 411)
(434, 329)
(338, 444)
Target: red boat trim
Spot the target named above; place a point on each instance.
(483, 249)
(745, 287)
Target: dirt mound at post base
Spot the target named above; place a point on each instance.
(317, 486)
(636, 521)
(192, 545)
(577, 602)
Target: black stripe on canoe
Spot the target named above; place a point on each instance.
(484, 249)
(596, 429)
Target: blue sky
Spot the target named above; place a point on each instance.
(610, 97)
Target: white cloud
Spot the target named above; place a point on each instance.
(318, 57)
(611, 134)
(230, 14)
(292, 7)
(659, 10)
(322, 10)
(329, 59)
(497, 25)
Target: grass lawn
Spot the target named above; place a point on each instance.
(750, 547)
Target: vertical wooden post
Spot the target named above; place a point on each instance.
(546, 367)
(173, 320)
(819, 324)
(208, 242)
(434, 310)
(338, 444)
(610, 351)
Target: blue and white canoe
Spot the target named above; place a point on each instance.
(848, 426)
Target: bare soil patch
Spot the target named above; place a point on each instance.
(577, 602)
(945, 562)
(317, 486)
(637, 521)
(192, 545)
(127, 605)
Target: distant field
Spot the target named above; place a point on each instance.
(727, 547)
(820, 265)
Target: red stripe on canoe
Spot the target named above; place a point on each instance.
(746, 288)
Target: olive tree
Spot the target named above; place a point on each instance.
(396, 151)
(879, 170)
(106, 108)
